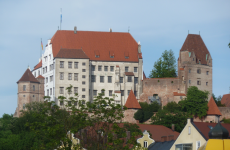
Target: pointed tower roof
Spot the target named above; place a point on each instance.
(212, 108)
(132, 101)
(28, 76)
(194, 43)
(218, 132)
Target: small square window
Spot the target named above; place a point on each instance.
(93, 68)
(61, 64)
(83, 82)
(101, 79)
(83, 96)
(105, 68)
(99, 68)
(83, 89)
(126, 69)
(111, 68)
(110, 93)
(135, 69)
(69, 64)
(109, 79)
(198, 71)
(129, 78)
(61, 103)
(121, 79)
(83, 76)
(198, 82)
(93, 78)
(207, 72)
(83, 64)
(83, 70)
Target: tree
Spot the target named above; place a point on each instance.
(165, 66)
(196, 102)
(229, 45)
(218, 100)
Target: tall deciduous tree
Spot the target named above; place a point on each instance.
(165, 66)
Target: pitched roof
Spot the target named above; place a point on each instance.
(212, 108)
(129, 73)
(28, 76)
(205, 127)
(40, 76)
(72, 53)
(226, 100)
(158, 131)
(103, 43)
(194, 43)
(39, 65)
(132, 102)
(178, 94)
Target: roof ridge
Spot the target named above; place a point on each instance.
(132, 102)
(28, 76)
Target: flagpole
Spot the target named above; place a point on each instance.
(60, 18)
(41, 49)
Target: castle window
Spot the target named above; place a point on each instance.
(76, 76)
(83, 82)
(33, 87)
(180, 97)
(198, 82)
(129, 78)
(206, 83)
(189, 54)
(207, 72)
(61, 75)
(83, 70)
(121, 79)
(105, 68)
(75, 90)
(34, 74)
(135, 80)
(189, 71)
(109, 79)
(83, 64)
(110, 93)
(94, 92)
(47, 93)
(83, 96)
(70, 76)
(50, 56)
(128, 92)
(33, 95)
(198, 71)
(24, 87)
(61, 64)
(61, 90)
(61, 103)
(99, 68)
(93, 68)
(83, 89)
(189, 81)
(50, 91)
(101, 79)
(122, 92)
(111, 68)
(38, 72)
(193, 59)
(24, 96)
(145, 144)
(126, 69)
(46, 79)
(75, 65)
(24, 106)
(83, 76)
(70, 64)
(189, 130)
(51, 78)
(135, 69)
(93, 78)
(75, 103)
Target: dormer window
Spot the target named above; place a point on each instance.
(111, 54)
(126, 55)
(97, 54)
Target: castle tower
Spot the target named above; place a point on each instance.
(195, 65)
(30, 89)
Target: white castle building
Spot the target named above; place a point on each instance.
(91, 61)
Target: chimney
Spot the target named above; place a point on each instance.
(75, 30)
(173, 127)
(139, 47)
(163, 138)
(110, 29)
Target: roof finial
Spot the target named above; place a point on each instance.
(28, 67)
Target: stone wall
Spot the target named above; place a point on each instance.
(129, 116)
(225, 111)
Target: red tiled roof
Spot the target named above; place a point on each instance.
(28, 76)
(178, 94)
(212, 108)
(40, 76)
(72, 53)
(181, 68)
(39, 65)
(129, 73)
(101, 42)
(158, 131)
(226, 100)
(132, 101)
(194, 43)
(204, 127)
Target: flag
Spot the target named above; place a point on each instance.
(41, 45)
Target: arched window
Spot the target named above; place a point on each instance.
(145, 144)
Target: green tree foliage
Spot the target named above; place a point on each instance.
(226, 120)
(196, 102)
(218, 100)
(165, 66)
(229, 45)
(172, 107)
(146, 111)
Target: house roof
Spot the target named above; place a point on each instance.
(132, 101)
(226, 100)
(161, 145)
(72, 53)
(205, 127)
(212, 108)
(178, 94)
(39, 65)
(158, 131)
(98, 43)
(28, 76)
(194, 43)
(129, 73)
(40, 76)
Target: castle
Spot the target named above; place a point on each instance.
(91, 61)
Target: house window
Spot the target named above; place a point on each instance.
(198, 82)
(61, 64)
(135, 69)
(110, 93)
(99, 68)
(135, 80)
(145, 144)
(69, 64)
(105, 68)
(184, 147)
(128, 92)
(47, 93)
(103, 92)
(33, 87)
(122, 92)
(70, 76)
(93, 68)
(83, 64)
(198, 71)
(61, 75)
(109, 79)
(75, 103)
(51, 78)
(129, 78)
(111, 68)
(75, 65)
(83, 82)
(75, 90)
(46, 79)
(61, 103)
(24, 95)
(189, 81)
(83, 89)
(50, 67)
(83, 96)
(34, 74)
(24, 106)
(76, 76)
(61, 90)
(206, 83)
(121, 79)
(207, 72)
(198, 145)
(189, 130)
(189, 71)
(93, 78)
(126, 69)
(94, 92)
(101, 79)
(83, 70)
(83, 76)
(38, 72)
(50, 91)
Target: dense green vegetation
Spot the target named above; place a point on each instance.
(218, 100)
(45, 125)
(165, 66)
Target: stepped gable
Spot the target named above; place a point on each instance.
(28, 76)
(212, 108)
(39, 65)
(40, 76)
(226, 100)
(132, 101)
(72, 53)
(194, 43)
(100, 44)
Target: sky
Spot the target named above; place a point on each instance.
(158, 25)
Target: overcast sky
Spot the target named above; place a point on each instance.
(158, 25)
